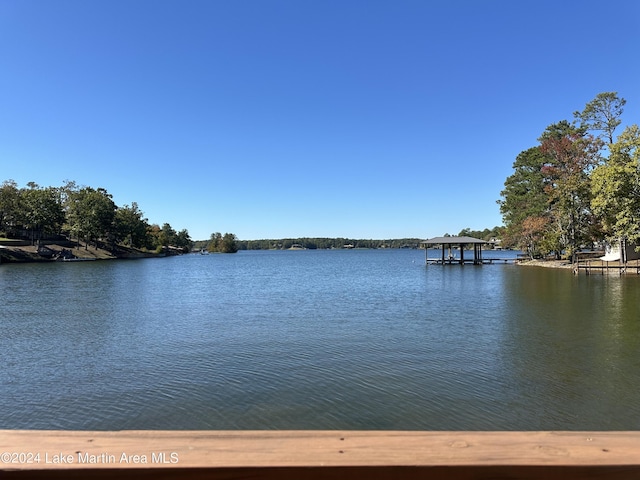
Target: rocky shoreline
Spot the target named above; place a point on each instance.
(546, 263)
(52, 252)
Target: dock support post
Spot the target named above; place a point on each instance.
(477, 254)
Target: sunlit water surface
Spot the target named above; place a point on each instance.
(358, 339)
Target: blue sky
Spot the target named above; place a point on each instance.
(278, 118)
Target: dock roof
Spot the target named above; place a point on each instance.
(453, 241)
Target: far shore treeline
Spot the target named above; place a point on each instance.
(579, 186)
(312, 243)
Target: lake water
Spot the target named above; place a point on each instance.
(353, 339)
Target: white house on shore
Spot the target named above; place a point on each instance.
(620, 250)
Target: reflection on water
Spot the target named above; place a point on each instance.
(575, 344)
(316, 340)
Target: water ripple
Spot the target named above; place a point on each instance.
(323, 340)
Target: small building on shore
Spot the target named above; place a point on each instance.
(621, 251)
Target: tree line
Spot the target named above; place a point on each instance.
(313, 243)
(578, 186)
(487, 234)
(82, 213)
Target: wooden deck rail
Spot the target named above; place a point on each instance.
(603, 267)
(315, 455)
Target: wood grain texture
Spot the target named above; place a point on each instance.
(323, 454)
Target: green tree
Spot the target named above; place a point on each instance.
(486, 234)
(227, 243)
(214, 242)
(602, 114)
(183, 240)
(42, 211)
(91, 214)
(524, 197)
(616, 188)
(9, 206)
(167, 235)
(131, 226)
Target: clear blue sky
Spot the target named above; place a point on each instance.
(291, 118)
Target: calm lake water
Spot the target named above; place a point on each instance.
(359, 339)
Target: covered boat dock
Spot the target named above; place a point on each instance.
(448, 244)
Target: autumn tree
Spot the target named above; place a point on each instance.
(154, 239)
(167, 236)
(546, 201)
(571, 155)
(534, 233)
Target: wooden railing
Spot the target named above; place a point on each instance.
(300, 455)
(602, 267)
